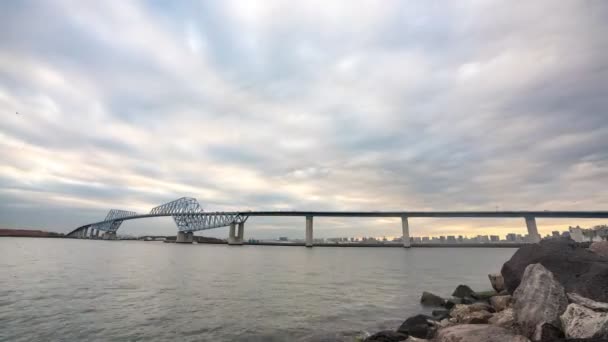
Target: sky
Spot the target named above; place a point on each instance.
(324, 105)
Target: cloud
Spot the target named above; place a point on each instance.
(316, 105)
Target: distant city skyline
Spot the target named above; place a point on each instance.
(303, 105)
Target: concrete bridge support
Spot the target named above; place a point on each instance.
(184, 237)
(109, 236)
(241, 233)
(84, 233)
(309, 238)
(532, 229)
(96, 234)
(235, 237)
(405, 227)
(232, 234)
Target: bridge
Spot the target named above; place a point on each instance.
(189, 217)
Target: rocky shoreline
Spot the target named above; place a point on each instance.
(556, 290)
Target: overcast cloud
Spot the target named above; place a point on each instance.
(372, 105)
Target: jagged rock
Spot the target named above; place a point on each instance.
(497, 281)
(538, 299)
(387, 336)
(463, 291)
(477, 333)
(504, 319)
(586, 302)
(419, 326)
(581, 322)
(469, 314)
(578, 269)
(548, 333)
(600, 248)
(429, 299)
(500, 303)
(440, 314)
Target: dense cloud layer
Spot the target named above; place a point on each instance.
(385, 105)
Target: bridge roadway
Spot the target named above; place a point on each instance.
(237, 238)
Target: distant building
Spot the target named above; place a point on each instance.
(494, 238)
(442, 239)
(451, 239)
(511, 237)
(283, 238)
(460, 238)
(425, 239)
(555, 234)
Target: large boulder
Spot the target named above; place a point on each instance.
(600, 248)
(387, 336)
(429, 299)
(419, 326)
(539, 299)
(497, 281)
(581, 322)
(477, 333)
(576, 268)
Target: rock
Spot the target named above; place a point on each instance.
(548, 333)
(463, 291)
(420, 326)
(387, 336)
(586, 302)
(468, 314)
(497, 281)
(581, 322)
(468, 300)
(413, 339)
(477, 333)
(600, 248)
(450, 303)
(578, 269)
(539, 299)
(500, 303)
(440, 314)
(429, 299)
(504, 319)
(480, 306)
(485, 295)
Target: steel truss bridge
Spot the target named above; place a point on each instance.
(189, 217)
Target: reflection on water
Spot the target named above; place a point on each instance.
(58, 289)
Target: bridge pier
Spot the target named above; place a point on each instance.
(96, 234)
(241, 233)
(84, 233)
(309, 239)
(109, 236)
(405, 227)
(532, 229)
(184, 237)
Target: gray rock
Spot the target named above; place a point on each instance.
(600, 248)
(419, 326)
(500, 303)
(578, 269)
(504, 319)
(440, 314)
(480, 306)
(463, 291)
(450, 303)
(586, 302)
(497, 281)
(429, 299)
(539, 299)
(581, 322)
(477, 333)
(387, 336)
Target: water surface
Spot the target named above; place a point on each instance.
(66, 290)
